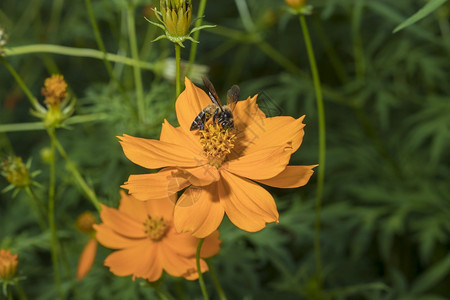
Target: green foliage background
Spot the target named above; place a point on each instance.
(386, 207)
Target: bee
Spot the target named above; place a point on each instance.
(221, 114)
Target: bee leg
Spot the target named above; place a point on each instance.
(216, 115)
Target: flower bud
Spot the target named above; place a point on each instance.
(59, 107)
(296, 4)
(8, 264)
(175, 20)
(16, 172)
(85, 222)
(176, 15)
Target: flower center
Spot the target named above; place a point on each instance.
(155, 228)
(217, 143)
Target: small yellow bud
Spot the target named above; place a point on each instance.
(59, 106)
(85, 222)
(46, 154)
(8, 264)
(54, 90)
(16, 172)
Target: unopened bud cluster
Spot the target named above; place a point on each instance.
(16, 172)
(175, 19)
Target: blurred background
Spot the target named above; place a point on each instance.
(385, 221)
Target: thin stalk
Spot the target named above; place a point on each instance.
(33, 100)
(78, 178)
(102, 48)
(20, 291)
(51, 212)
(358, 52)
(178, 64)
(77, 52)
(38, 207)
(278, 57)
(22, 126)
(193, 52)
(213, 274)
(322, 145)
(199, 270)
(40, 125)
(136, 68)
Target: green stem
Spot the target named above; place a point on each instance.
(178, 75)
(192, 54)
(76, 174)
(38, 207)
(33, 100)
(322, 145)
(136, 68)
(77, 52)
(102, 48)
(213, 274)
(358, 53)
(51, 212)
(278, 57)
(40, 125)
(199, 270)
(20, 291)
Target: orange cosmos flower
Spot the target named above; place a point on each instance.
(219, 167)
(144, 234)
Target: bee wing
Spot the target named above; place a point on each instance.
(212, 92)
(233, 96)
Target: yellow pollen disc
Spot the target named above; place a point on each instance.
(155, 228)
(217, 143)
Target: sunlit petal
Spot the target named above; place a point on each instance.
(246, 204)
(264, 163)
(155, 186)
(154, 154)
(291, 177)
(198, 211)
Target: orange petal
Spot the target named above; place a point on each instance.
(87, 258)
(130, 206)
(192, 273)
(186, 245)
(151, 268)
(264, 163)
(246, 113)
(211, 245)
(155, 186)
(270, 132)
(174, 264)
(161, 208)
(190, 103)
(137, 261)
(183, 244)
(202, 175)
(154, 154)
(198, 211)
(246, 204)
(291, 177)
(180, 136)
(122, 223)
(111, 239)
